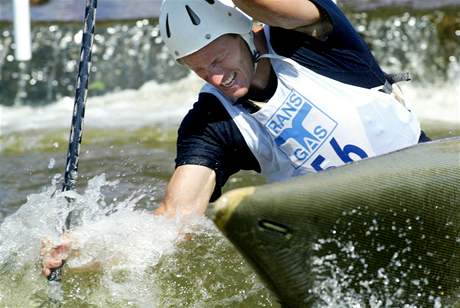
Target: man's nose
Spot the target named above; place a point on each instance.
(215, 75)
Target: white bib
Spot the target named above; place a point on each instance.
(313, 122)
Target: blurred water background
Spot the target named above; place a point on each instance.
(137, 96)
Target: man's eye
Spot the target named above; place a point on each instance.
(218, 60)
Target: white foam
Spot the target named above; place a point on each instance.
(437, 102)
(153, 103)
(166, 104)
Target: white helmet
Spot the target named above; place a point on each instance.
(188, 25)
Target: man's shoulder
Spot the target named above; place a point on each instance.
(342, 56)
(209, 105)
(207, 110)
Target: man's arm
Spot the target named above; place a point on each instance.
(299, 15)
(288, 14)
(188, 191)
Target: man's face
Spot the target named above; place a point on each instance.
(225, 63)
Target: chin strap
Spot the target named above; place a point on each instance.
(256, 56)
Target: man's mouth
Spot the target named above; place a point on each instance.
(229, 81)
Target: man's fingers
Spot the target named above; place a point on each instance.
(60, 251)
(53, 263)
(45, 246)
(53, 255)
(56, 252)
(49, 263)
(46, 272)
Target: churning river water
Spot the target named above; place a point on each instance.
(137, 97)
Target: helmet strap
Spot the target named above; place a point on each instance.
(255, 54)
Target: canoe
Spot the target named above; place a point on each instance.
(382, 230)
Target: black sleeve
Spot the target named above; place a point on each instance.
(343, 55)
(208, 137)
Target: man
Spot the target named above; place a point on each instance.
(293, 97)
(299, 128)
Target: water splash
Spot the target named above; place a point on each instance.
(386, 288)
(126, 256)
(396, 280)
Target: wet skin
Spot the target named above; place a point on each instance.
(225, 63)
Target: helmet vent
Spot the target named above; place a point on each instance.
(193, 16)
(210, 1)
(168, 32)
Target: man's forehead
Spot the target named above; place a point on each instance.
(205, 54)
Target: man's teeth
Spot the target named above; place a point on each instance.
(229, 80)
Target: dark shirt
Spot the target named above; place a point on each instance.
(209, 137)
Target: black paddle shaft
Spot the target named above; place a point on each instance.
(76, 130)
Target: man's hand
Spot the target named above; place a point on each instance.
(188, 193)
(53, 256)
